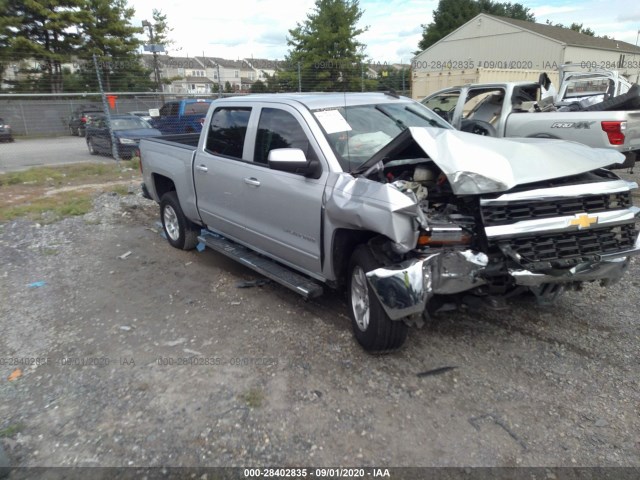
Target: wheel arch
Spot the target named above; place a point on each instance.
(162, 185)
(344, 243)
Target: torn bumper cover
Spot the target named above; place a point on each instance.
(405, 289)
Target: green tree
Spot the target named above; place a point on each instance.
(227, 87)
(452, 14)
(7, 26)
(42, 36)
(161, 29)
(258, 87)
(110, 35)
(325, 49)
(46, 31)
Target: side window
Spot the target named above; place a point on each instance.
(169, 109)
(484, 105)
(444, 104)
(279, 129)
(227, 131)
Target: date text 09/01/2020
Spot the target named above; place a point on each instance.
(517, 64)
(316, 472)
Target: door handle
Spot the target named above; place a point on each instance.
(252, 181)
(202, 168)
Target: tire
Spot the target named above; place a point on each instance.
(626, 101)
(91, 147)
(180, 231)
(372, 327)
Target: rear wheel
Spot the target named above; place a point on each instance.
(372, 327)
(180, 231)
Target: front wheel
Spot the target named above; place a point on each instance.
(372, 327)
(91, 146)
(180, 231)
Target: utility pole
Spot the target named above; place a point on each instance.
(299, 79)
(219, 82)
(154, 51)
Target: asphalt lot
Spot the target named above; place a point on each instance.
(25, 153)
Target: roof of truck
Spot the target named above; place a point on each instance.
(315, 101)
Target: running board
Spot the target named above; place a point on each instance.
(263, 265)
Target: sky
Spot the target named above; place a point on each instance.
(258, 28)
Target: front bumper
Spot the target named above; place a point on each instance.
(405, 289)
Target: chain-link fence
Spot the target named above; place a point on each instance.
(42, 113)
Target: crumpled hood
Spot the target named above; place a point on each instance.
(476, 164)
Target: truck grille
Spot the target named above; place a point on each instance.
(516, 211)
(564, 249)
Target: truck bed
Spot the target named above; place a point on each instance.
(180, 139)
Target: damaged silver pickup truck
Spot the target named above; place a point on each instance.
(377, 195)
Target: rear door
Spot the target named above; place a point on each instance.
(99, 134)
(218, 171)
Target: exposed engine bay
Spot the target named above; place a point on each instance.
(484, 248)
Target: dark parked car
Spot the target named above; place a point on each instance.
(127, 130)
(81, 117)
(5, 132)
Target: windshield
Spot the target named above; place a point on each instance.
(358, 132)
(132, 123)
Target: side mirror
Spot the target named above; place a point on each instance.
(293, 160)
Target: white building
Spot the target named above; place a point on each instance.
(491, 48)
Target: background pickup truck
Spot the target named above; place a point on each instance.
(377, 195)
(511, 110)
(181, 116)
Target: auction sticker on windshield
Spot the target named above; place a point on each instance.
(332, 121)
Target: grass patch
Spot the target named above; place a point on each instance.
(11, 430)
(254, 398)
(135, 163)
(49, 209)
(48, 194)
(64, 174)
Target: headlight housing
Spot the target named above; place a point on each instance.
(471, 183)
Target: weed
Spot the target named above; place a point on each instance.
(254, 398)
(11, 430)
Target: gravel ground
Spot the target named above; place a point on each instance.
(272, 380)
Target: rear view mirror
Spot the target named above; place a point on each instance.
(293, 160)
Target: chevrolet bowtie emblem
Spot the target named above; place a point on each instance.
(583, 220)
